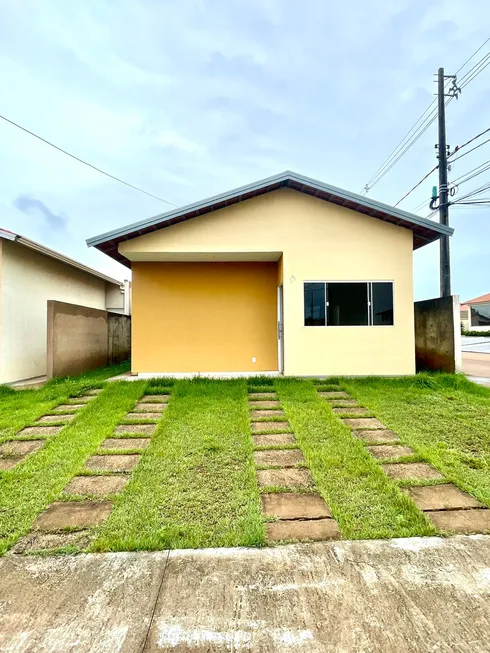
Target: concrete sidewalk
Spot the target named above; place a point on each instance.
(412, 595)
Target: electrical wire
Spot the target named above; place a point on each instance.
(417, 184)
(475, 71)
(460, 147)
(468, 152)
(107, 174)
(417, 130)
(471, 174)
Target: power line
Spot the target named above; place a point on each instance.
(474, 53)
(460, 147)
(468, 152)
(475, 71)
(417, 130)
(417, 184)
(471, 174)
(107, 174)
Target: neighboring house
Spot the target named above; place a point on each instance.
(30, 275)
(284, 275)
(475, 313)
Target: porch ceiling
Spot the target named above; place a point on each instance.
(202, 257)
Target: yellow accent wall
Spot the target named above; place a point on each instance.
(319, 241)
(204, 317)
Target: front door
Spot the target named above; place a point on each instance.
(280, 329)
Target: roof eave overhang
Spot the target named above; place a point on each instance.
(424, 230)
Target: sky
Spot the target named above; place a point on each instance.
(190, 99)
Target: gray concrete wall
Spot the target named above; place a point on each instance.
(119, 338)
(438, 334)
(80, 339)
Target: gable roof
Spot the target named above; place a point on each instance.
(5, 234)
(479, 300)
(424, 231)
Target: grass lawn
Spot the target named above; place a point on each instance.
(195, 484)
(445, 418)
(365, 503)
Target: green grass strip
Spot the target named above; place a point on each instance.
(444, 417)
(27, 489)
(20, 408)
(365, 503)
(195, 485)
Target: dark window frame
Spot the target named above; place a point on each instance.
(369, 301)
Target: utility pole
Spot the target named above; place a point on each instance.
(445, 260)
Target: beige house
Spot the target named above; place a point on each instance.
(30, 275)
(285, 275)
(475, 313)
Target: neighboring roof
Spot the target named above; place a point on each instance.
(425, 231)
(463, 307)
(17, 238)
(479, 300)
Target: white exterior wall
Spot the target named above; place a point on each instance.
(28, 280)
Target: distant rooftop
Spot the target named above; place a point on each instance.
(478, 300)
(31, 244)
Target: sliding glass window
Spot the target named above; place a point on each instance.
(366, 303)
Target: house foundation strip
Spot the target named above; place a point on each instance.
(288, 499)
(450, 509)
(87, 498)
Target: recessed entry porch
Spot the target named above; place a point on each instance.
(210, 314)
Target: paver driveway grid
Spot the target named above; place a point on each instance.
(113, 469)
(448, 508)
(299, 516)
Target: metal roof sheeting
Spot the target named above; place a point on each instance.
(425, 231)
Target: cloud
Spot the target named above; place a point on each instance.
(189, 99)
(32, 206)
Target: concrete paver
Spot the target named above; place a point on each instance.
(375, 436)
(141, 415)
(8, 463)
(301, 530)
(278, 457)
(288, 505)
(155, 398)
(73, 514)
(390, 451)
(350, 410)
(40, 430)
(461, 521)
(96, 485)
(261, 396)
(441, 497)
(148, 429)
(20, 447)
(257, 427)
(267, 403)
(267, 413)
(125, 443)
(414, 595)
(68, 407)
(418, 471)
(39, 541)
(269, 439)
(363, 423)
(125, 462)
(157, 407)
(284, 478)
(57, 419)
(334, 394)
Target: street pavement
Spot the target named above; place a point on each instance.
(414, 595)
